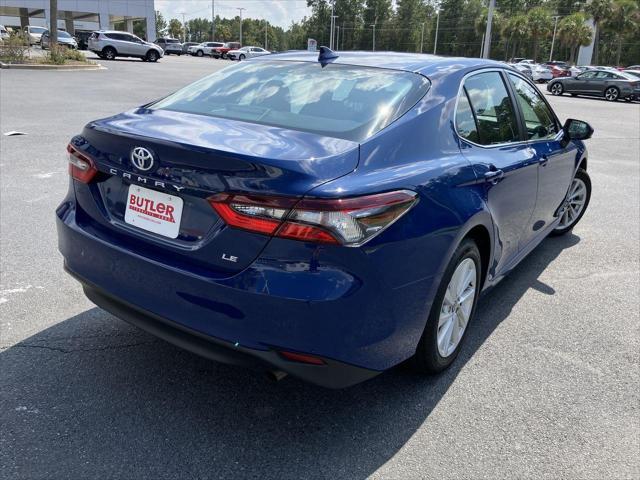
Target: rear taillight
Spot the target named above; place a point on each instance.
(347, 221)
(81, 167)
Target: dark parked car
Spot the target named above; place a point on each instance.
(324, 216)
(609, 84)
(82, 37)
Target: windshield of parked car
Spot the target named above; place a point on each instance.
(342, 101)
(63, 34)
(37, 29)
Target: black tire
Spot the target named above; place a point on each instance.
(241, 57)
(199, 53)
(557, 89)
(584, 176)
(427, 358)
(109, 53)
(152, 56)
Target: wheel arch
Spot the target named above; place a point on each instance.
(480, 229)
(582, 164)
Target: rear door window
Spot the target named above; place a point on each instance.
(493, 109)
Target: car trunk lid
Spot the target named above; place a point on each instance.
(193, 158)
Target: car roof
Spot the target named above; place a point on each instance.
(425, 64)
(113, 31)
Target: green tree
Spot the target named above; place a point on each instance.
(574, 33)
(516, 30)
(599, 10)
(175, 28)
(540, 24)
(624, 20)
(161, 24)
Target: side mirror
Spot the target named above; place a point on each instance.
(577, 130)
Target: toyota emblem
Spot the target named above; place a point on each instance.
(141, 158)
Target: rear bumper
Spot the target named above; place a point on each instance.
(293, 298)
(331, 375)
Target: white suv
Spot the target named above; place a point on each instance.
(205, 48)
(109, 44)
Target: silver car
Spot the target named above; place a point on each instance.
(109, 44)
(204, 48)
(64, 39)
(540, 73)
(246, 52)
(169, 45)
(600, 83)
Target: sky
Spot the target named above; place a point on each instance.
(276, 12)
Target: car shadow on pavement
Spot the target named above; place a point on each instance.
(92, 397)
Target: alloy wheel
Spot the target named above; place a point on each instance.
(456, 307)
(556, 89)
(573, 205)
(611, 94)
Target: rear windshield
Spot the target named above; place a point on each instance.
(172, 40)
(342, 101)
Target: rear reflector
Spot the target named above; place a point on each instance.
(81, 167)
(302, 358)
(344, 221)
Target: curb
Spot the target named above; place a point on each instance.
(27, 66)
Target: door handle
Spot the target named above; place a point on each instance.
(494, 176)
(543, 160)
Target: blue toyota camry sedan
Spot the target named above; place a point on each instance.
(326, 216)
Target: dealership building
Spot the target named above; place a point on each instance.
(81, 14)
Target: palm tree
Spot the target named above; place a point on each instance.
(574, 33)
(623, 20)
(599, 10)
(539, 22)
(514, 30)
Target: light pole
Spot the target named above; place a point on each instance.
(184, 28)
(422, 38)
(553, 39)
(240, 9)
(337, 37)
(266, 29)
(487, 34)
(374, 37)
(333, 19)
(213, 20)
(435, 41)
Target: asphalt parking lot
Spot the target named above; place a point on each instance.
(547, 384)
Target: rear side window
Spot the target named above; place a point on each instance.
(465, 121)
(494, 113)
(342, 101)
(538, 118)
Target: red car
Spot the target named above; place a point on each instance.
(558, 69)
(221, 52)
